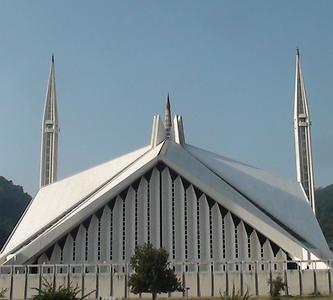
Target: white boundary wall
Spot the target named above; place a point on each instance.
(202, 280)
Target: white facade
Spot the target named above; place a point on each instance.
(199, 206)
(134, 217)
(203, 208)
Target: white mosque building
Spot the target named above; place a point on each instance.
(198, 205)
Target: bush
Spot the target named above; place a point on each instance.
(277, 286)
(50, 292)
(2, 293)
(235, 296)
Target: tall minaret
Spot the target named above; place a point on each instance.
(50, 130)
(167, 117)
(302, 129)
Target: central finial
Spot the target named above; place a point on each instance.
(167, 117)
(297, 51)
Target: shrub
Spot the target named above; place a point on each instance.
(235, 295)
(50, 292)
(277, 286)
(2, 293)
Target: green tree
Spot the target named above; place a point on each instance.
(152, 273)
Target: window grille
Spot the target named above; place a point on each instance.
(210, 233)
(74, 250)
(173, 220)
(136, 218)
(86, 245)
(124, 230)
(148, 212)
(198, 227)
(99, 240)
(223, 238)
(185, 223)
(111, 233)
(236, 242)
(249, 246)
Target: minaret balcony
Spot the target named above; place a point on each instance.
(303, 123)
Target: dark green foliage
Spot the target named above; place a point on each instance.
(234, 295)
(2, 293)
(13, 201)
(277, 285)
(324, 210)
(49, 292)
(152, 272)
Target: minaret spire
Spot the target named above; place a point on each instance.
(302, 130)
(167, 116)
(50, 130)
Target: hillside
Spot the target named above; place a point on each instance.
(324, 208)
(13, 201)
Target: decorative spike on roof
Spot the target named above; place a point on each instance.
(167, 116)
(162, 132)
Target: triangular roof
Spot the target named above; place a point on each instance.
(281, 198)
(274, 206)
(55, 200)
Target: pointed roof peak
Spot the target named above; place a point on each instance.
(297, 51)
(167, 116)
(52, 58)
(168, 101)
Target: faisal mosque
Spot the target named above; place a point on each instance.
(198, 205)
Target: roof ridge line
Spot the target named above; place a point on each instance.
(228, 158)
(69, 210)
(271, 173)
(264, 211)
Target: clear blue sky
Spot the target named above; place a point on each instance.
(228, 66)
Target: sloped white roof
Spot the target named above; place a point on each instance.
(279, 197)
(53, 200)
(259, 217)
(109, 190)
(267, 202)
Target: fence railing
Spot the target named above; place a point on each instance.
(201, 279)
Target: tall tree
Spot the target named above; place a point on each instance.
(152, 272)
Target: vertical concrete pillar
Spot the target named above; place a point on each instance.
(300, 281)
(256, 278)
(198, 281)
(285, 270)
